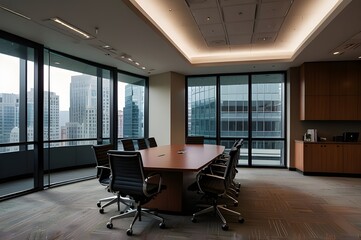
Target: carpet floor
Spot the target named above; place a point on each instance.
(275, 203)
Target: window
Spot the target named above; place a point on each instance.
(263, 129)
(16, 113)
(202, 107)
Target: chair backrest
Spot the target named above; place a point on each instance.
(152, 142)
(128, 144)
(195, 140)
(229, 174)
(101, 157)
(127, 173)
(142, 144)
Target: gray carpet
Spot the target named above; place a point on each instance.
(276, 204)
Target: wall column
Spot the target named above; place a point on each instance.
(167, 108)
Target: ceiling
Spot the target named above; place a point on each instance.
(122, 30)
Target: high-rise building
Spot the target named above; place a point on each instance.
(133, 111)
(9, 115)
(83, 107)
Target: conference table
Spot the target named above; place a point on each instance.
(178, 165)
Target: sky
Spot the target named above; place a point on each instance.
(60, 81)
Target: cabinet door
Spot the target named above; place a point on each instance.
(317, 108)
(312, 160)
(332, 155)
(299, 156)
(343, 107)
(352, 158)
(316, 78)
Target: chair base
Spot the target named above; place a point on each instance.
(215, 208)
(137, 212)
(115, 199)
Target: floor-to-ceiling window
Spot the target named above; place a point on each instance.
(250, 106)
(16, 116)
(75, 94)
(53, 108)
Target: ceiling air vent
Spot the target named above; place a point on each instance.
(351, 44)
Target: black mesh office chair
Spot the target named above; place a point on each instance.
(142, 144)
(128, 144)
(103, 175)
(219, 166)
(128, 180)
(152, 142)
(195, 140)
(215, 187)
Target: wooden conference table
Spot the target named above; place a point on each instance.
(178, 165)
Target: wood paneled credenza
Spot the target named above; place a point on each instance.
(328, 157)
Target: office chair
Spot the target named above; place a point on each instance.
(195, 140)
(103, 175)
(142, 144)
(128, 180)
(219, 166)
(128, 144)
(215, 187)
(152, 142)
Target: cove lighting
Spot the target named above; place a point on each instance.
(308, 18)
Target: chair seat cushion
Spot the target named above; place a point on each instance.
(211, 185)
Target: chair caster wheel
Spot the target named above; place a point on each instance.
(98, 204)
(109, 225)
(194, 220)
(162, 225)
(101, 210)
(241, 220)
(224, 227)
(129, 232)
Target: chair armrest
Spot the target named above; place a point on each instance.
(207, 175)
(102, 167)
(154, 178)
(218, 169)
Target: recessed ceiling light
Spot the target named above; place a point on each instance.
(359, 57)
(72, 28)
(336, 53)
(14, 12)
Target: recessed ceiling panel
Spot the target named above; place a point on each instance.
(212, 30)
(274, 9)
(237, 28)
(206, 16)
(238, 13)
(197, 4)
(239, 39)
(235, 2)
(264, 37)
(219, 41)
(268, 25)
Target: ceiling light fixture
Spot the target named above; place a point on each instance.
(336, 53)
(14, 12)
(72, 28)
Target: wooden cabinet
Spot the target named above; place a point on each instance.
(352, 158)
(330, 91)
(328, 157)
